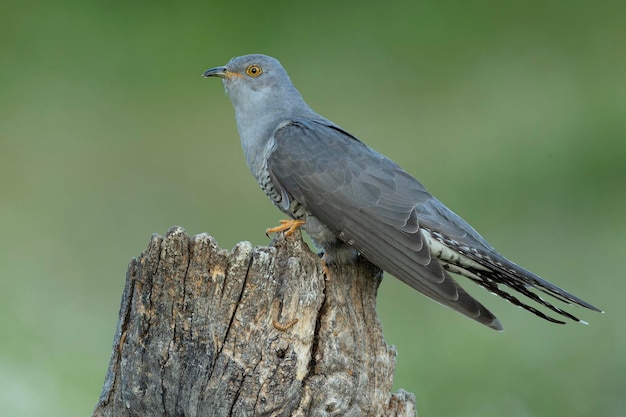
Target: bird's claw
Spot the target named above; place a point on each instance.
(287, 226)
(325, 268)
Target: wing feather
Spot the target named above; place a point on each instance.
(354, 191)
(370, 202)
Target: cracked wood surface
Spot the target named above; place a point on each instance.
(196, 337)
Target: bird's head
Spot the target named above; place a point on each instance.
(256, 80)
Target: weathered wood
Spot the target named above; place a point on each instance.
(196, 337)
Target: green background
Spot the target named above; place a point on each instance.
(512, 113)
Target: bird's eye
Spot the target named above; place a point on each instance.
(254, 70)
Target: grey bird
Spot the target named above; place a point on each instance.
(352, 200)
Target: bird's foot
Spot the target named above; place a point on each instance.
(326, 270)
(325, 267)
(287, 226)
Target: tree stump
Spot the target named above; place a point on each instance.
(251, 332)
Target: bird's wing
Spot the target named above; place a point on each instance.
(370, 202)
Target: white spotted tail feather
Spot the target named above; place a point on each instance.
(492, 271)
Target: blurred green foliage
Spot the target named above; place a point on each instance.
(513, 113)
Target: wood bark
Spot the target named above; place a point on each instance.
(251, 332)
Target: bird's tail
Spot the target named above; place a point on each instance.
(496, 273)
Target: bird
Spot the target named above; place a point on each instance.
(353, 201)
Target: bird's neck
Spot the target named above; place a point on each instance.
(255, 138)
(257, 119)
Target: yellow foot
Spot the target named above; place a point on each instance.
(325, 269)
(287, 226)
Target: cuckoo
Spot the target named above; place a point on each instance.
(354, 201)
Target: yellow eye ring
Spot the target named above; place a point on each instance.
(254, 70)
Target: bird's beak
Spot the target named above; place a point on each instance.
(220, 72)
